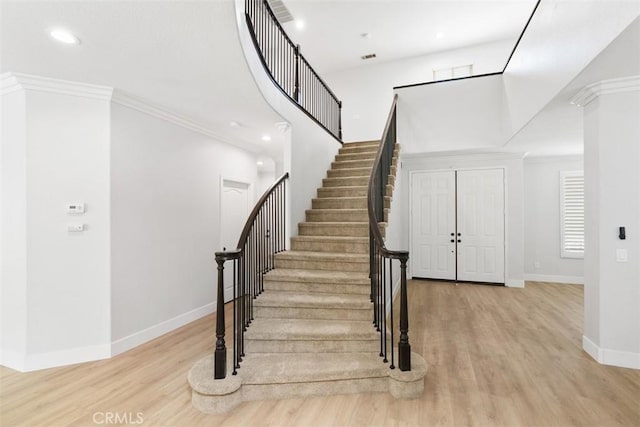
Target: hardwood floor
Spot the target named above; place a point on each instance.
(497, 356)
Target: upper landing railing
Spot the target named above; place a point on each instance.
(289, 69)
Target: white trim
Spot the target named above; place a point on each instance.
(605, 87)
(137, 338)
(12, 359)
(552, 278)
(462, 154)
(154, 110)
(514, 283)
(11, 82)
(605, 356)
(52, 359)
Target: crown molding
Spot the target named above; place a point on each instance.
(605, 87)
(154, 110)
(11, 82)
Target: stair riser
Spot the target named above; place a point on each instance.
(352, 164)
(323, 265)
(342, 192)
(325, 215)
(310, 346)
(358, 156)
(311, 313)
(354, 181)
(320, 246)
(347, 172)
(372, 143)
(328, 288)
(347, 230)
(347, 149)
(340, 203)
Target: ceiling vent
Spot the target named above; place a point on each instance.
(369, 56)
(280, 10)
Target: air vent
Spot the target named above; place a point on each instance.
(280, 10)
(369, 56)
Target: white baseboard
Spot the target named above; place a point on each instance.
(515, 283)
(52, 359)
(12, 359)
(127, 343)
(575, 280)
(605, 356)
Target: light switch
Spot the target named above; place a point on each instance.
(622, 255)
(75, 208)
(75, 228)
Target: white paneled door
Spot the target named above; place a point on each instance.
(235, 205)
(480, 234)
(433, 225)
(457, 225)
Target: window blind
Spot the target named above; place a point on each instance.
(572, 214)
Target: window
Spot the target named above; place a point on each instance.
(453, 72)
(572, 214)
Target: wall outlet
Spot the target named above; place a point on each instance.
(75, 228)
(622, 255)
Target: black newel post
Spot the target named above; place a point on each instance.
(220, 355)
(404, 348)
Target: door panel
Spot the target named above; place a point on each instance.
(432, 222)
(235, 205)
(481, 225)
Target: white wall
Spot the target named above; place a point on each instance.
(58, 282)
(366, 92)
(309, 150)
(612, 199)
(453, 115)
(13, 230)
(514, 196)
(165, 204)
(542, 221)
(561, 40)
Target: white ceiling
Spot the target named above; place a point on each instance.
(184, 56)
(331, 39)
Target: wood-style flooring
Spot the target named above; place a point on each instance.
(497, 356)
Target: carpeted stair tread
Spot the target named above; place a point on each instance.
(322, 256)
(311, 330)
(317, 276)
(281, 368)
(311, 300)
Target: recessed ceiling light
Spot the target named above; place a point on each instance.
(64, 36)
(259, 163)
(266, 138)
(300, 24)
(439, 35)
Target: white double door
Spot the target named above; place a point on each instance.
(457, 225)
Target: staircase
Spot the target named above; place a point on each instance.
(312, 332)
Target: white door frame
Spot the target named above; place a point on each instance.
(252, 200)
(506, 207)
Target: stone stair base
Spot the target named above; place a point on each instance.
(282, 376)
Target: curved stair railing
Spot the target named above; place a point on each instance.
(289, 69)
(381, 258)
(263, 236)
